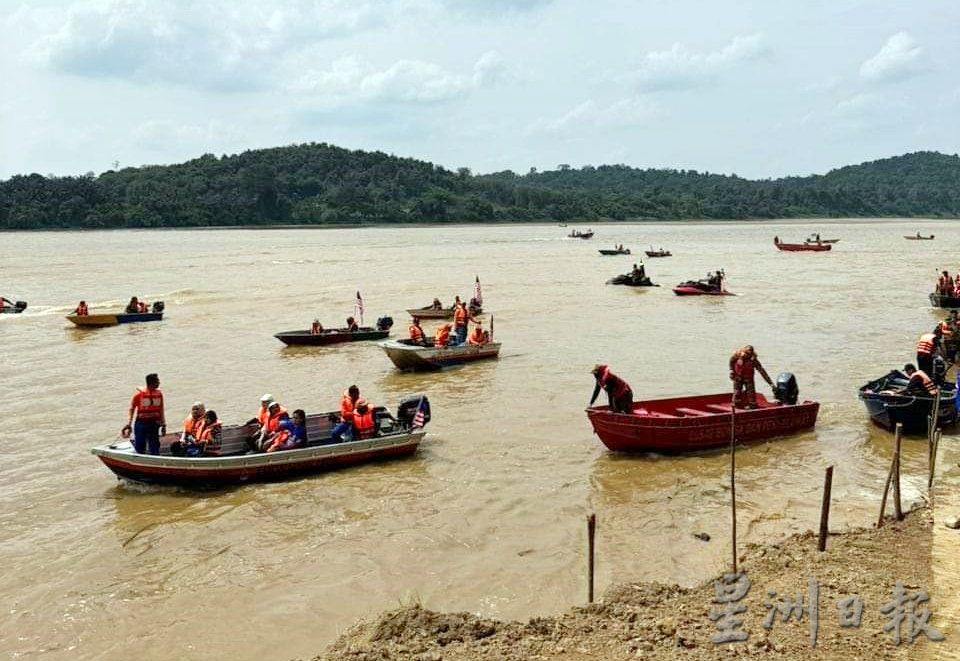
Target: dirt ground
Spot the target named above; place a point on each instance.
(653, 621)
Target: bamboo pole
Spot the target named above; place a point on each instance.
(733, 473)
(886, 490)
(591, 534)
(933, 460)
(897, 509)
(825, 508)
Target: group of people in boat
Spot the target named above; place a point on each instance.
(455, 334)
(135, 306)
(948, 285)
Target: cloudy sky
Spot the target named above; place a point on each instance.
(759, 88)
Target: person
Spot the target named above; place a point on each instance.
(146, 417)
(276, 413)
(363, 423)
(950, 332)
(460, 318)
(416, 332)
(436, 305)
(927, 346)
(142, 307)
(291, 433)
(476, 335)
(619, 394)
(211, 436)
(743, 363)
(81, 309)
(442, 336)
(638, 273)
(343, 430)
(352, 324)
(193, 423)
(133, 307)
(945, 284)
(919, 383)
(316, 328)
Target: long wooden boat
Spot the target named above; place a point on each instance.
(944, 301)
(336, 335)
(12, 307)
(101, 320)
(919, 237)
(658, 253)
(702, 422)
(430, 312)
(418, 358)
(577, 234)
(617, 251)
(236, 464)
(886, 406)
(801, 247)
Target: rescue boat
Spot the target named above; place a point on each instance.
(806, 246)
(336, 335)
(887, 406)
(406, 355)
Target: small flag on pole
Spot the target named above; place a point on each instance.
(358, 309)
(418, 418)
(476, 291)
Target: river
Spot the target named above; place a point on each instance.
(489, 515)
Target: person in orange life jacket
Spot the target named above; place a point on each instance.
(207, 440)
(275, 414)
(142, 307)
(441, 337)
(619, 394)
(416, 332)
(343, 430)
(352, 324)
(81, 309)
(193, 423)
(316, 328)
(291, 433)
(476, 335)
(146, 418)
(927, 346)
(920, 383)
(743, 362)
(133, 307)
(363, 423)
(461, 315)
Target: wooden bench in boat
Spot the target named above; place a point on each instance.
(683, 410)
(718, 408)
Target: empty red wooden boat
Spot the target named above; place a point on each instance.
(701, 422)
(797, 247)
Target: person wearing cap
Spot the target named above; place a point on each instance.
(743, 364)
(146, 417)
(619, 394)
(348, 404)
(193, 423)
(476, 335)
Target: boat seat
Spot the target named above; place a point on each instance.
(718, 408)
(682, 410)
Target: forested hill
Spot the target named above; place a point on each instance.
(320, 184)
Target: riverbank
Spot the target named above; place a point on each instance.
(653, 621)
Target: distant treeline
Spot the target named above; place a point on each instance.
(320, 184)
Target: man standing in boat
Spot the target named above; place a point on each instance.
(146, 419)
(743, 364)
(619, 394)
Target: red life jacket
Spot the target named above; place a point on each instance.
(613, 383)
(926, 343)
(416, 333)
(363, 423)
(149, 403)
(476, 337)
(81, 310)
(742, 367)
(274, 420)
(441, 336)
(346, 408)
(210, 438)
(460, 315)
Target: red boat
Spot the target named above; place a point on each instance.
(701, 422)
(712, 285)
(797, 247)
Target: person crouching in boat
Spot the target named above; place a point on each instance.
(476, 335)
(291, 433)
(416, 332)
(619, 394)
(919, 382)
(275, 414)
(442, 337)
(316, 328)
(81, 309)
(743, 364)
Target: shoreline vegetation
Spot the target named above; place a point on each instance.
(321, 185)
(655, 621)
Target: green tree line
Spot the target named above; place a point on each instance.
(321, 184)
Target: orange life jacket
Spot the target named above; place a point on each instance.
(81, 310)
(925, 380)
(193, 426)
(416, 333)
(141, 307)
(210, 438)
(476, 336)
(363, 423)
(441, 336)
(460, 315)
(926, 343)
(262, 415)
(346, 407)
(274, 420)
(276, 443)
(149, 403)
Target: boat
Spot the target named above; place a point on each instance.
(944, 301)
(801, 247)
(11, 307)
(679, 425)
(658, 253)
(632, 280)
(918, 237)
(431, 312)
(236, 464)
(115, 318)
(620, 250)
(577, 234)
(712, 285)
(424, 357)
(336, 335)
(815, 238)
(886, 407)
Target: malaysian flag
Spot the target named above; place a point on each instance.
(358, 309)
(418, 418)
(476, 291)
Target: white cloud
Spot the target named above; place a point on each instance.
(899, 59)
(591, 115)
(858, 105)
(680, 68)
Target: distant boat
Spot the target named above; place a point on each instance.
(801, 247)
(577, 234)
(619, 250)
(815, 238)
(658, 253)
(336, 335)
(11, 307)
(918, 237)
(116, 318)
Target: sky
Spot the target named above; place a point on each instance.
(757, 88)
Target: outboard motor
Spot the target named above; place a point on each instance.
(384, 323)
(20, 306)
(407, 410)
(939, 375)
(785, 388)
(157, 306)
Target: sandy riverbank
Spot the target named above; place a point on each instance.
(651, 621)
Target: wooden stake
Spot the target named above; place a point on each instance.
(897, 510)
(933, 460)
(886, 490)
(825, 508)
(733, 478)
(591, 533)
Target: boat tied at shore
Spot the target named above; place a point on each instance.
(887, 403)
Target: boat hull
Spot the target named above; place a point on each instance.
(919, 238)
(804, 247)
(12, 307)
(688, 289)
(658, 253)
(691, 424)
(615, 252)
(306, 338)
(941, 301)
(886, 409)
(420, 359)
(101, 320)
